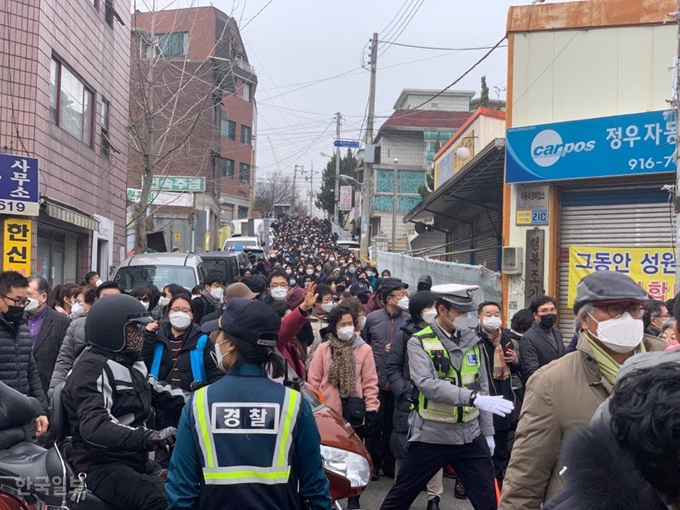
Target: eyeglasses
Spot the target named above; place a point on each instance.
(175, 310)
(22, 302)
(617, 309)
(278, 286)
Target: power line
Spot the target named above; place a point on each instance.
(401, 17)
(256, 15)
(395, 16)
(405, 24)
(436, 48)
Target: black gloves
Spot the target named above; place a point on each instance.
(160, 439)
(370, 422)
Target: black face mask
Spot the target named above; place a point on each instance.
(14, 314)
(548, 321)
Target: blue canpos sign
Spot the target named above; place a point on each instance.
(633, 144)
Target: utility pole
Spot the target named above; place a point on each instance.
(311, 189)
(338, 118)
(368, 167)
(676, 106)
(394, 207)
(292, 200)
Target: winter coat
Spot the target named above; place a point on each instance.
(373, 303)
(600, 475)
(501, 387)
(48, 343)
(559, 398)
(204, 305)
(108, 398)
(73, 344)
(17, 365)
(366, 386)
(399, 379)
(428, 383)
(540, 346)
(379, 332)
(290, 327)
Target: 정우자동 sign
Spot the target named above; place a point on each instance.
(652, 268)
(16, 252)
(162, 198)
(345, 201)
(532, 205)
(348, 144)
(19, 194)
(622, 145)
(178, 183)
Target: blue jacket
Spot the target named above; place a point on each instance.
(186, 487)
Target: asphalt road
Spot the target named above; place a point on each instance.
(373, 497)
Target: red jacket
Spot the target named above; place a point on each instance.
(291, 325)
(373, 303)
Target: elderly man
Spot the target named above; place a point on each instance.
(564, 395)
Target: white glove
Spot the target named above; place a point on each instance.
(491, 443)
(496, 405)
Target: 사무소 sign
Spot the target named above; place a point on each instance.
(19, 195)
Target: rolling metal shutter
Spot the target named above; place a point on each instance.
(487, 240)
(630, 216)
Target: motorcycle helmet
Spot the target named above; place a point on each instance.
(108, 318)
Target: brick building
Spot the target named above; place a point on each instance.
(64, 100)
(203, 113)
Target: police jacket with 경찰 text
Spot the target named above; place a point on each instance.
(108, 398)
(17, 365)
(220, 463)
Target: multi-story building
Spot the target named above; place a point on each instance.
(205, 106)
(63, 107)
(407, 141)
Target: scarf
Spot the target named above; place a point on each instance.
(608, 365)
(500, 368)
(342, 372)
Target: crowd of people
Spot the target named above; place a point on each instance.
(428, 377)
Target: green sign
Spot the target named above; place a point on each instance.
(178, 183)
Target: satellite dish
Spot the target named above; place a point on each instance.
(420, 228)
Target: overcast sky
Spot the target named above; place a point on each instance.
(294, 43)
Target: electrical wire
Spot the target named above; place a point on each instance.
(395, 17)
(404, 25)
(438, 48)
(256, 15)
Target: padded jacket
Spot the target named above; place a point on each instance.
(73, 344)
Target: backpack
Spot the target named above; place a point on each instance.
(196, 357)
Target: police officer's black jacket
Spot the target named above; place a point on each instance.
(108, 398)
(17, 365)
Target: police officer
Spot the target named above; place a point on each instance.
(452, 420)
(108, 397)
(245, 441)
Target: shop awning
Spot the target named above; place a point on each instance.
(68, 214)
(477, 187)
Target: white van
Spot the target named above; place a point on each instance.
(160, 269)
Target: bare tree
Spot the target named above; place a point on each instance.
(175, 103)
(271, 189)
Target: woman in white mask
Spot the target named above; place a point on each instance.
(422, 313)
(84, 299)
(144, 296)
(343, 370)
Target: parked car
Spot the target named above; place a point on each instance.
(160, 269)
(241, 243)
(230, 264)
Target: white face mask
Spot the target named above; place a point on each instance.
(491, 323)
(292, 282)
(146, 304)
(279, 293)
(98, 282)
(332, 259)
(219, 357)
(180, 320)
(77, 310)
(362, 322)
(346, 333)
(466, 321)
(403, 303)
(369, 274)
(429, 316)
(327, 307)
(309, 271)
(32, 305)
(163, 301)
(622, 334)
(288, 271)
(217, 293)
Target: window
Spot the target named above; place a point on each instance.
(247, 91)
(104, 120)
(109, 12)
(244, 172)
(226, 167)
(172, 44)
(70, 103)
(95, 3)
(245, 135)
(228, 129)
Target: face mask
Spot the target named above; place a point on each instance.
(429, 316)
(292, 282)
(14, 314)
(622, 334)
(279, 293)
(288, 271)
(346, 333)
(491, 323)
(309, 271)
(180, 320)
(369, 274)
(362, 322)
(548, 321)
(301, 270)
(217, 293)
(318, 268)
(146, 304)
(327, 307)
(98, 282)
(331, 259)
(466, 321)
(134, 338)
(352, 270)
(32, 305)
(77, 310)
(403, 303)
(163, 301)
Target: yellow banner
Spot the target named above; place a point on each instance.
(16, 253)
(652, 268)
